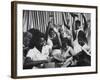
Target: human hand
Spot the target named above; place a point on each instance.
(74, 15)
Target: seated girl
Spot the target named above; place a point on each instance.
(40, 53)
(54, 38)
(64, 55)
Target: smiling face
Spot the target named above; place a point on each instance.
(42, 41)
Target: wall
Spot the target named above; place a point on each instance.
(5, 40)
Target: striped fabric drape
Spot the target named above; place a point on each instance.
(39, 19)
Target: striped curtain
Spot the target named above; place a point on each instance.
(39, 19)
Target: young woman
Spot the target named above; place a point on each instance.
(79, 42)
(39, 54)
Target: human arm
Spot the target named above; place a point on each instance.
(85, 22)
(59, 40)
(57, 44)
(73, 26)
(47, 32)
(86, 49)
(50, 44)
(65, 22)
(29, 63)
(71, 51)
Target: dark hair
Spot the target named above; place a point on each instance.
(82, 38)
(77, 22)
(51, 15)
(64, 42)
(35, 35)
(51, 29)
(38, 38)
(27, 34)
(41, 36)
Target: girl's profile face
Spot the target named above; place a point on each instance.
(52, 34)
(81, 42)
